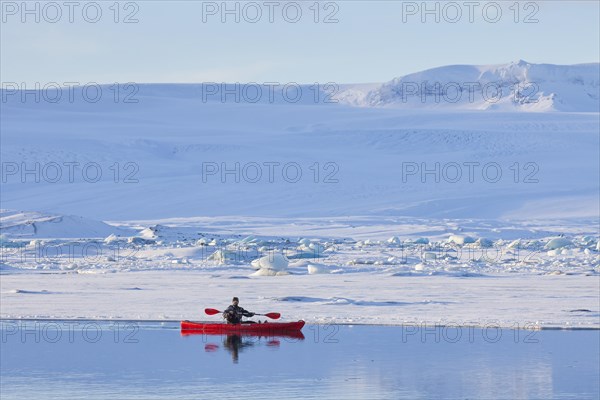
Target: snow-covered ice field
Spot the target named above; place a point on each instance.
(336, 271)
(372, 210)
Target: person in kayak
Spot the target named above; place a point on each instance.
(234, 313)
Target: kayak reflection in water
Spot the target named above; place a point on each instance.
(234, 313)
(234, 344)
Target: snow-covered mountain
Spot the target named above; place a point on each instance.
(517, 86)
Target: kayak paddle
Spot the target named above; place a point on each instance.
(273, 315)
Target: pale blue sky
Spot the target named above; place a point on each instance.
(370, 43)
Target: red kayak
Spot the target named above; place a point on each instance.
(264, 329)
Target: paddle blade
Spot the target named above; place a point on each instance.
(211, 311)
(273, 315)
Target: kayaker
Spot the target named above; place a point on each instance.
(234, 313)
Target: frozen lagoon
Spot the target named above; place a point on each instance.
(146, 360)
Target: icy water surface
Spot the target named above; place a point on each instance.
(98, 360)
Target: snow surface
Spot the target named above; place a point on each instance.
(367, 225)
(354, 161)
(508, 301)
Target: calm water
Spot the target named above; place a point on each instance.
(61, 360)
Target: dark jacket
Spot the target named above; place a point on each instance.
(233, 314)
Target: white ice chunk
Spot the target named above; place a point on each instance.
(558, 243)
(460, 239)
(273, 261)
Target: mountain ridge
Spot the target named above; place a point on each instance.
(516, 86)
